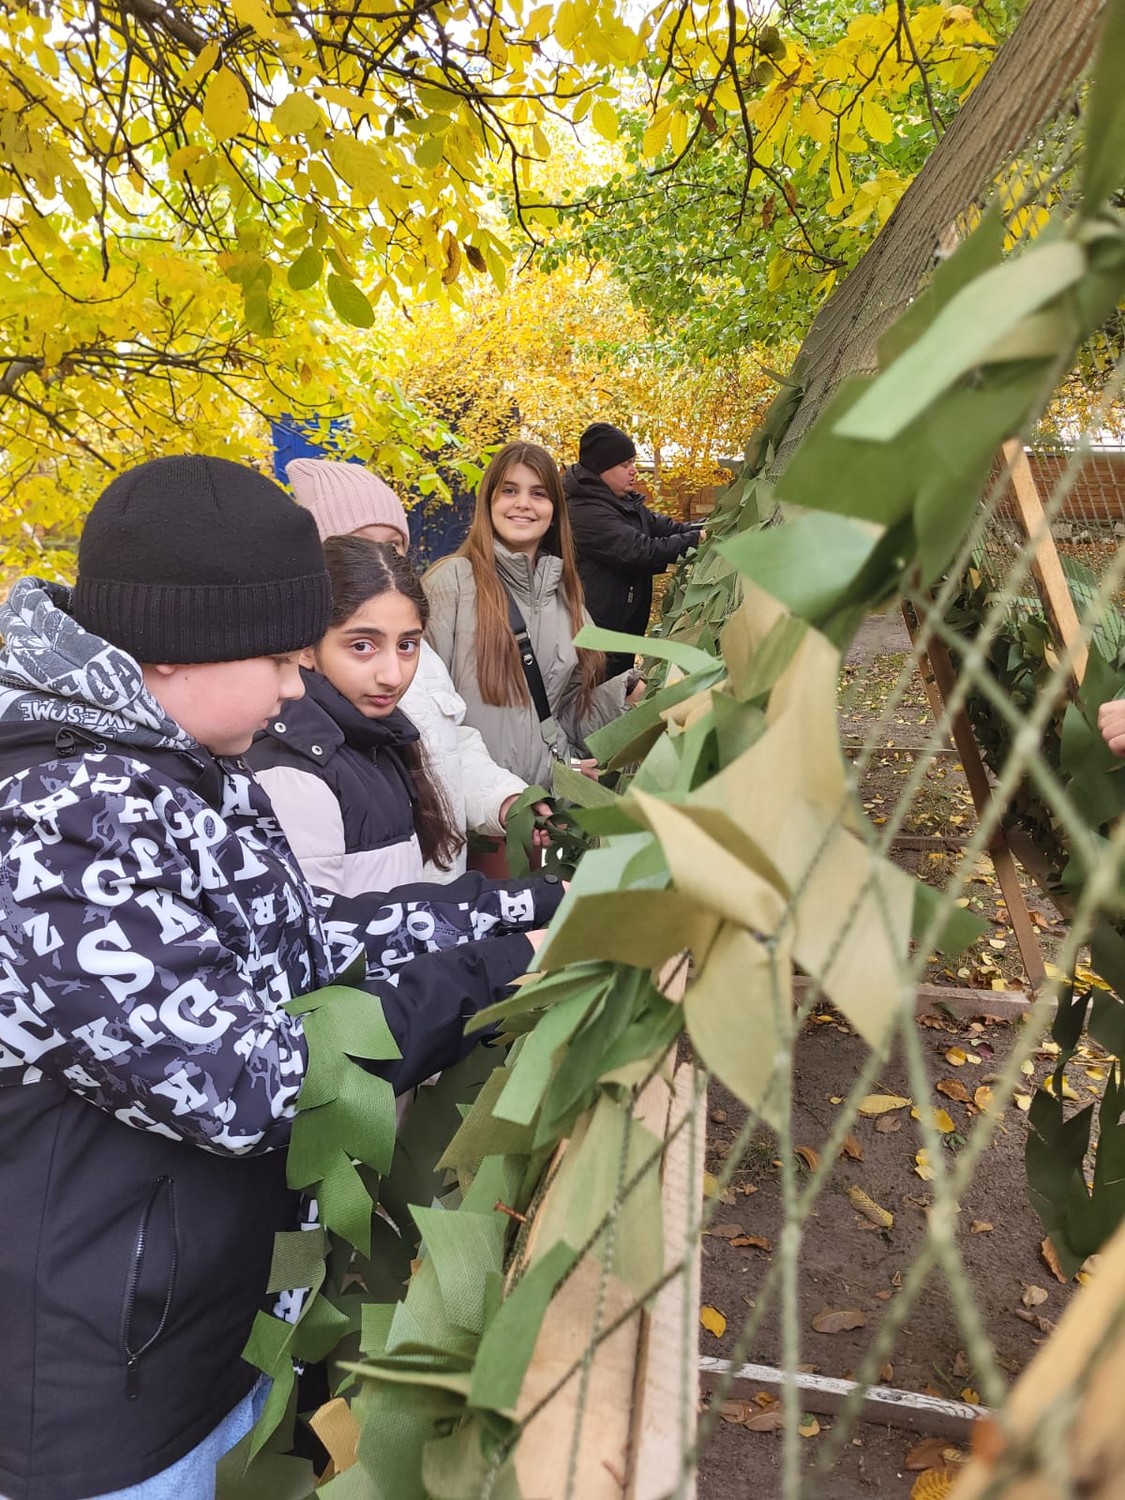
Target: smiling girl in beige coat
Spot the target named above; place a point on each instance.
(519, 544)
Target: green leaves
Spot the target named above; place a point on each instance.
(306, 269)
(1104, 156)
(349, 302)
(807, 563)
(962, 336)
(343, 1112)
(687, 658)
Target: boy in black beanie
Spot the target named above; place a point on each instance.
(620, 542)
(153, 923)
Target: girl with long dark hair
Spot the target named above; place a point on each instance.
(519, 550)
(343, 765)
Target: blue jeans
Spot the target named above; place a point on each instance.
(193, 1476)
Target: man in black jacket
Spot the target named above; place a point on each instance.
(620, 542)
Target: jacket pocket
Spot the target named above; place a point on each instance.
(151, 1280)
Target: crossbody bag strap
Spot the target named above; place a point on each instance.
(547, 725)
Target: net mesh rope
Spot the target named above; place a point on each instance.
(1083, 498)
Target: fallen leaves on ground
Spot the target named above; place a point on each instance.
(956, 1057)
(939, 1118)
(932, 1484)
(922, 1165)
(980, 1226)
(809, 1426)
(953, 1088)
(888, 1124)
(838, 1320)
(763, 1414)
(982, 1097)
(725, 1231)
(1047, 1251)
(1033, 1296)
(870, 1210)
(810, 1157)
(770, 1420)
(736, 1411)
(713, 1320)
(881, 1104)
(1036, 1320)
(927, 1454)
(755, 1242)
(852, 1148)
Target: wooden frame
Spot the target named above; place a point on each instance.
(630, 1443)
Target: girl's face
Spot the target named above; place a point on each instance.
(372, 657)
(522, 510)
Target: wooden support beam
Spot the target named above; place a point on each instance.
(981, 790)
(925, 666)
(826, 1396)
(667, 1397)
(955, 1000)
(1053, 587)
(1071, 1391)
(629, 1424)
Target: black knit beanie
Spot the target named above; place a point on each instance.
(603, 446)
(194, 559)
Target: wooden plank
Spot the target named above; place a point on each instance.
(924, 665)
(981, 791)
(601, 1414)
(1045, 564)
(949, 999)
(826, 1395)
(665, 1405)
(1071, 1390)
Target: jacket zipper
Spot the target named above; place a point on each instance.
(164, 1185)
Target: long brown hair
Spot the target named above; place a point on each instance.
(500, 675)
(359, 570)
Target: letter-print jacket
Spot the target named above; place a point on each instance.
(152, 924)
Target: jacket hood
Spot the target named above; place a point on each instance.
(52, 671)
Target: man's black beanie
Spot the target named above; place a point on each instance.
(603, 446)
(194, 559)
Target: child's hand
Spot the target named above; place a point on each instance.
(541, 837)
(1111, 722)
(636, 693)
(587, 767)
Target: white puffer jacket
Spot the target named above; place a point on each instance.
(475, 787)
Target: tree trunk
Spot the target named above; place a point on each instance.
(1026, 84)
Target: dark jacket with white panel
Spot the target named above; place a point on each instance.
(153, 923)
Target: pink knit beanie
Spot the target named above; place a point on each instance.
(344, 497)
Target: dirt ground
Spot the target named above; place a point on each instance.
(846, 1261)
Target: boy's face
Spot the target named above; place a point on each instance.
(223, 704)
